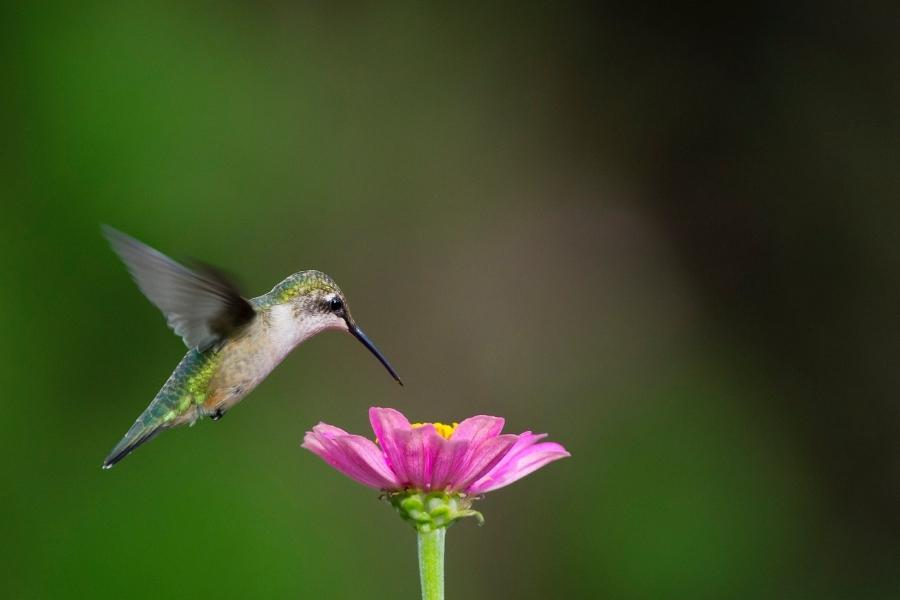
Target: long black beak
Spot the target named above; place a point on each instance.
(362, 337)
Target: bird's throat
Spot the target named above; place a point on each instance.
(286, 329)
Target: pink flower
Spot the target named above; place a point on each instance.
(471, 458)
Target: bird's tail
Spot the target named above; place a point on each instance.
(142, 431)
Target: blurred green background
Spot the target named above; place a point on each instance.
(668, 239)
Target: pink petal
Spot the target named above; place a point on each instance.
(477, 429)
(447, 460)
(525, 457)
(314, 440)
(422, 447)
(353, 455)
(409, 452)
(480, 459)
(392, 430)
(471, 450)
(329, 431)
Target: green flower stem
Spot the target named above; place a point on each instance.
(431, 563)
(431, 513)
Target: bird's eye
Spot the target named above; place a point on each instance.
(335, 304)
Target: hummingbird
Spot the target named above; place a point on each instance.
(233, 343)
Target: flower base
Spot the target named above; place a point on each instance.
(430, 511)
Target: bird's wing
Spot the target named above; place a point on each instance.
(202, 307)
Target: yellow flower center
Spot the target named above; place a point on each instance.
(445, 431)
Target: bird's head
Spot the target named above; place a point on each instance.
(316, 301)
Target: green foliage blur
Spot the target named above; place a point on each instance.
(667, 239)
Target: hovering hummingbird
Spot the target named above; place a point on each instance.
(234, 343)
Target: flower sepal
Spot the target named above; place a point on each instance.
(430, 511)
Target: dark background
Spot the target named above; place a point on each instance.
(667, 238)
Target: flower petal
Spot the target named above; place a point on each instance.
(477, 429)
(329, 431)
(525, 457)
(423, 446)
(393, 431)
(480, 459)
(447, 460)
(454, 455)
(456, 459)
(353, 455)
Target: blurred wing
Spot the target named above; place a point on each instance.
(202, 307)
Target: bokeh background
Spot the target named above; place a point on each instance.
(666, 238)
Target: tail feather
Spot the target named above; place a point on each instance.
(173, 405)
(134, 438)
